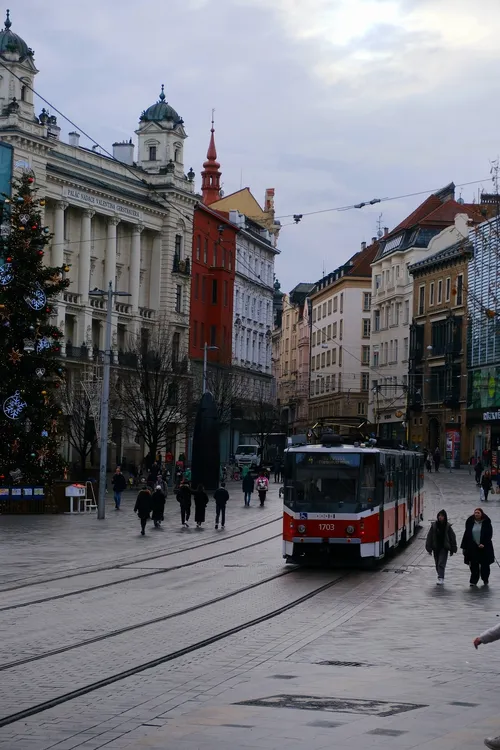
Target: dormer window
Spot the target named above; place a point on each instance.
(152, 153)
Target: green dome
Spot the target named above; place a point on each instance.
(10, 42)
(161, 111)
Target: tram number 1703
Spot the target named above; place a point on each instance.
(327, 527)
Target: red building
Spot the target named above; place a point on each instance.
(213, 271)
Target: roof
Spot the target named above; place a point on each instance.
(445, 214)
(457, 251)
(358, 266)
(10, 42)
(223, 216)
(427, 207)
(161, 111)
(302, 288)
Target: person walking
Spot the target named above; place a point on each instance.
(248, 486)
(277, 470)
(143, 508)
(119, 484)
(478, 470)
(184, 500)
(262, 487)
(221, 496)
(441, 542)
(486, 485)
(200, 505)
(493, 634)
(158, 506)
(437, 458)
(477, 546)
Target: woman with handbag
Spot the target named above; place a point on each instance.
(477, 546)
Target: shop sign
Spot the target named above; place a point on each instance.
(491, 416)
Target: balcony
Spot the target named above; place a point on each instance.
(182, 267)
(123, 308)
(71, 298)
(146, 313)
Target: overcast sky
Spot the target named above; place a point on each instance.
(331, 102)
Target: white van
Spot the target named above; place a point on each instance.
(247, 455)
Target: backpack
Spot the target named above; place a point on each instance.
(261, 484)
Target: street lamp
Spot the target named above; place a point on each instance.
(109, 294)
(206, 349)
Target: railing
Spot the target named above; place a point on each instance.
(99, 304)
(123, 308)
(71, 298)
(181, 266)
(147, 313)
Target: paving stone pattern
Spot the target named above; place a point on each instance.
(382, 639)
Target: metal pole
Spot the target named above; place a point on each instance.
(205, 350)
(101, 508)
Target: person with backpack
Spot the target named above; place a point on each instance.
(248, 486)
(441, 542)
(221, 496)
(262, 487)
(119, 484)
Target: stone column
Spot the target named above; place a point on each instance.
(134, 279)
(155, 278)
(58, 243)
(84, 265)
(110, 261)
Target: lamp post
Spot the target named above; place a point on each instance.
(109, 294)
(206, 349)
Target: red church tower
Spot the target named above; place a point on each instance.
(210, 177)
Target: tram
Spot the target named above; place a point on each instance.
(347, 501)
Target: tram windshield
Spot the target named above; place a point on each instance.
(330, 482)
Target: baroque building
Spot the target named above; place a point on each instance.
(125, 219)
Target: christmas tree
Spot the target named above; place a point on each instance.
(30, 344)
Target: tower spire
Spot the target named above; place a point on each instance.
(210, 185)
(8, 22)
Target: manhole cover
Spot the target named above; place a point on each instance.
(282, 677)
(387, 732)
(338, 705)
(342, 664)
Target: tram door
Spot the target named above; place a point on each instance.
(381, 499)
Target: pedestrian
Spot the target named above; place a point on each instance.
(277, 470)
(493, 634)
(478, 470)
(248, 486)
(200, 505)
(437, 458)
(119, 484)
(158, 506)
(221, 496)
(425, 451)
(262, 487)
(441, 542)
(428, 464)
(184, 500)
(486, 485)
(153, 475)
(478, 547)
(143, 507)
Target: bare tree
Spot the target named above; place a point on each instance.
(227, 388)
(79, 421)
(264, 414)
(153, 385)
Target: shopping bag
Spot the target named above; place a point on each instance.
(481, 495)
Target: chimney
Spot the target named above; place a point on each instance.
(363, 246)
(374, 239)
(124, 152)
(74, 139)
(386, 231)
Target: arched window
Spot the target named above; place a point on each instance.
(23, 93)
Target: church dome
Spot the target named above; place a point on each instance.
(10, 42)
(161, 111)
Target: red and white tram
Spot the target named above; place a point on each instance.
(349, 501)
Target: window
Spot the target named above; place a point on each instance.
(327, 384)
(334, 382)
(313, 339)
(203, 288)
(328, 358)
(319, 312)
(198, 247)
(317, 387)
(421, 300)
(323, 335)
(152, 153)
(460, 289)
(329, 307)
(361, 408)
(335, 304)
(342, 302)
(230, 260)
(386, 353)
(366, 328)
(324, 309)
(214, 291)
(323, 359)
(405, 349)
(397, 272)
(367, 298)
(365, 355)
(365, 381)
(205, 252)
(224, 257)
(213, 336)
(196, 286)
(395, 350)
(195, 333)
(178, 298)
(329, 332)
(376, 320)
(341, 329)
(376, 359)
(317, 361)
(202, 335)
(334, 333)
(313, 363)
(314, 316)
(406, 319)
(178, 245)
(378, 281)
(226, 292)
(340, 356)
(431, 293)
(440, 292)
(448, 290)
(397, 313)
(214, 255)
(176, 348)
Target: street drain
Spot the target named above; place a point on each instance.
(337, 705)
(342, 664)
(387, 732)
(282, 677)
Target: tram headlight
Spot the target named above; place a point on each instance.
(350, 530)
(301, 528)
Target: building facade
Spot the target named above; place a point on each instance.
(340, 343)
(437, 386)
(114, 220)
(392, 305)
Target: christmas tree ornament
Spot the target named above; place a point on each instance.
(37, 298)
(31, 180)
(66, 269)
(13, 406)
(21, 229)
(15, 445)
(6, 274)
(45, 433)
(42, 201)
(44, 393)
(40, 372)
(24, 218)
(43, 344)
(15, 356)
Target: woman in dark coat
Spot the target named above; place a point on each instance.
(486, 485)
(143, 508)
(478, 547)
(184, 500)
(158, 506)
(200, 504)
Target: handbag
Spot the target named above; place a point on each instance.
(481, 495)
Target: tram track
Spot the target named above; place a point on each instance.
(171, 656)
(141, 576)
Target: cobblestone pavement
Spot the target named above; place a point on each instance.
(381, 660)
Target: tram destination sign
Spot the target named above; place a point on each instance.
(329, 459)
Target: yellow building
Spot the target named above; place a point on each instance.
(244, 202)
